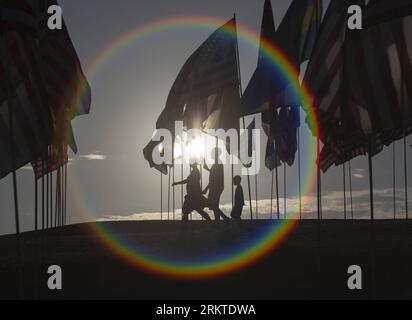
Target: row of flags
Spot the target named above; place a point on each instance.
(206, 93)
(42, 88)
(360, 81)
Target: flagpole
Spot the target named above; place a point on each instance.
(35, 202)
(256, 193)
(344, 192)
(284, 190)
(66, 167)
(233, 193)
(161, 196)
(271, 195)
(173, 189)
(47, 187)
(277, 183)
(350, 189)
(394, 178)
(51, 192)
(371, 178)
(318, 176)
(299, 177)
(243, 118)
(406, 175)
(42, 192)
(168, 196)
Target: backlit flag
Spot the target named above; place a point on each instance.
(205, 94)
(379, 64)
(21, 90)
(264, 84)
(381, 11)
(19, 16)
(326, 79)
(67, 86)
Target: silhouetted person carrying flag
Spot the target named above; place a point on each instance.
(194, 200)
(239, 199)
(215, 186)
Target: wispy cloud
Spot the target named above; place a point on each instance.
(93, 157)
(359, 174)
(332, 207)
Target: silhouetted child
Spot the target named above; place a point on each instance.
(239, 199)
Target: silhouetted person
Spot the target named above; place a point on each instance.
(216, 186)
(239, 199)
(194, 200)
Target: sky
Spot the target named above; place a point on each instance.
(109, 176)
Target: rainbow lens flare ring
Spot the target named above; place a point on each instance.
(275, 231)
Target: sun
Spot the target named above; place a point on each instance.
(195, 149)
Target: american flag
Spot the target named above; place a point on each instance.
(382, 11)
(344, 126)
(381, 77)
(67, 89)
(67, 86)
(21, 91)
(19, 16)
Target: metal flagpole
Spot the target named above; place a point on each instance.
(394, 178)
(277, 183)
(161, 196)
(51, 192)
(256, 193)
(344, 191)
(35, 202)
(350, 189)
(406, 175)
(299, 177)
(173, 189)
(47, 187)
(231, 182)
(271, 195)
(42, 193)
(243, 120)
(371, 178)
(319, 195)
(65, 193)
(168, 196)
(284, 191)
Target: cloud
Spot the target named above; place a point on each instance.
(92, 157)
(332, 207)
(358, 175)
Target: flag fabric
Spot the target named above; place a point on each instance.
(21, 91)
(382, 11)
(148, 155)
(19, 16)
(67, 86)
(281, 128)
(344, 128)
(207, 82)
(246, 139)
(270, 123)
(379, 68)
(67, 89)
(298, 30)
(295, 37)
(263, 86)
(47, 85)
(324, 73)
(205, 94)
